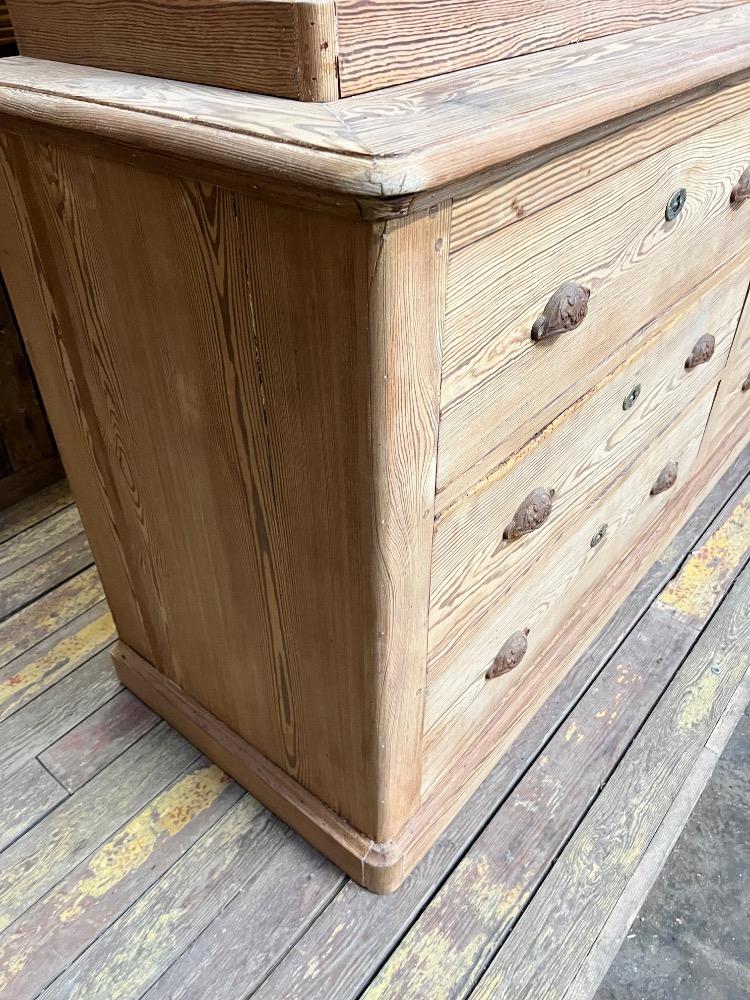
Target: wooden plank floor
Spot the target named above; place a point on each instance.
(131, 867)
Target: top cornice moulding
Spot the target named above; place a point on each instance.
(390, 144)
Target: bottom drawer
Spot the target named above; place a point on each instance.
(602, 539)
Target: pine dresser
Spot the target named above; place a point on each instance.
(386, 344)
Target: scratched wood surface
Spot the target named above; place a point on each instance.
(130, 867)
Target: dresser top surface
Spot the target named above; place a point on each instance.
(393, 143)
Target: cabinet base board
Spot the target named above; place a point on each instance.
(382, 867)
(378, 867)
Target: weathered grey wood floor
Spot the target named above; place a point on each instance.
(130, 867)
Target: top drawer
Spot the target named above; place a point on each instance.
(614, 240)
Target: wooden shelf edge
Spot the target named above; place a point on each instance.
(391, 144)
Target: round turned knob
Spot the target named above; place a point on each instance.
(565, 310)
(532, 513)
(667, 479)
(675, 204)
(509, 655)
(741, 190)
(702, 351)
(746, 384)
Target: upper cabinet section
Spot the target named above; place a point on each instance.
(320, 50)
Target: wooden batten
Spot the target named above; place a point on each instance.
(383, 147)
(286, 48)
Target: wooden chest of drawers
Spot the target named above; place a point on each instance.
(376, 409)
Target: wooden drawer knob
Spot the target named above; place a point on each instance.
(667, 479)
(565, 310)
(702, 352)
(509, 655)
(531, 515)
(741, 190)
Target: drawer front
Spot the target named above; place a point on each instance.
(730, 416)
(485, 586)
(630, 511)
(613, 240)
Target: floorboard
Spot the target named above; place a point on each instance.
(132, 869)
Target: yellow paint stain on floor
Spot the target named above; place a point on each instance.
(127, 851)
(700, 702)
(131, 848)
(702, 580)
(44, 670)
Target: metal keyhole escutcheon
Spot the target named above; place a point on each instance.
(599, 536)
(675, 204)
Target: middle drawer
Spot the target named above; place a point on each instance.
(479, 577)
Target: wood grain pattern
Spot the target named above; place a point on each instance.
(387, 42)
(38, 540)
(557, 929)
(293, 438)
(579, 570)
(467, 922)
(264, 46)
(29, 511)
(43, 573)
(634, 262)
(24, 801)
(357, 932)
(113, 878)
(76, 757)
(55, 712)
(412, 139)
(27, 676)
(39, 860)
(39, 620)
(484, 587)
(253, 932)
(130, 956)
(471, 916)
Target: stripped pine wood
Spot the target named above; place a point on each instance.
(38, 540)
(76, 757)
(24, 801)
(65, 838)
(349, 942)
(47, 938)
(52, 714)
(26, 677)
(34, 509)
(548, 947)
(636, 265)
(631, 512)
(473, 913)
(264, 46)
(387, 145)
(386, 42)
(43, 573)
(49, 613)
(129, 957)
(583, 456)
(252, 536)
(536, 182)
